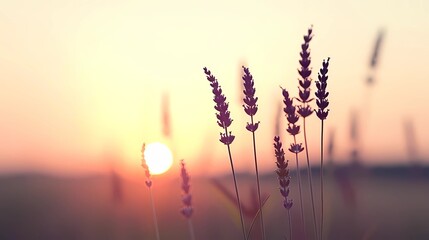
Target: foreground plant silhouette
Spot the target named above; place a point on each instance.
(322, 113)
(187, 209)
(305, 109)
(293, 129)
(292, 113)
(284, 178)
(250, 107)
(149, 185)
(224, 121)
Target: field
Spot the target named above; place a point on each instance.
(361, 203)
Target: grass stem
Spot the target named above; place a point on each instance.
(298, 172)
(257, 181)
(290, 224)
(310, 181)
(236, 189)
(321, 182)
(155, 221)
(191, 229)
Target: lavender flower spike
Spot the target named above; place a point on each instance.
(224, 121)
(291, 116)
(293, 129)
(149, 185)
(250, 106)
(221, 106)
(305, 109)
(187, 209)
(321, 93)
(282, 172)
(146, 168)
(305, 72)
(284, 178)
(322, 113)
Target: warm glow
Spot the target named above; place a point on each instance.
(158, 158)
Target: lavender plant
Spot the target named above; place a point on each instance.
(292, 113)
(224, 121)
(284, 178)
(293, 129)
(305, 109)
(322, 113)
(187, 209)
(149, 185)
(251, 107)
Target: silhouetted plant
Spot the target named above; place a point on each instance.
(251, 107)
(322, 113)
(292, 113)
(293, 129)
(305, 109)
(224, 121)
(149, 185)
(284, 178)
(187, 209)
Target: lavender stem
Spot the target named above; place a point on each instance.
(310, 180)
(155, 220)
(236, 188)
(298, 172)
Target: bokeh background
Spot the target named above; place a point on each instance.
(84, 83)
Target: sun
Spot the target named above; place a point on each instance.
(158, 158)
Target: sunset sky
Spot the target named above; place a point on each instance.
(81, 82)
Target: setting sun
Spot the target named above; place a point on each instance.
(158, 158)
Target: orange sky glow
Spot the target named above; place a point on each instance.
(81, 82)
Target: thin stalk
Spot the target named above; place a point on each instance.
(254, 219)
(236, 189)
(191, 229)
(321, 181)
(290, 225)
(300, 190)
(310, 181)
(257, 181)
(155, 221)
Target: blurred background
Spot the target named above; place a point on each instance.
(84, 83)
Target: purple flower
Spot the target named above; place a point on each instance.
(290, 111)
(146, 168)
(252, 127)
(250, 106)
(226, 138)
(296, 148)
(187, 209)
(221, 106)
(305, 72)
(304, 111)
(321, 93)
(223, 115)
(282, 172)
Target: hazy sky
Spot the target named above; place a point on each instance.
(81, 81)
